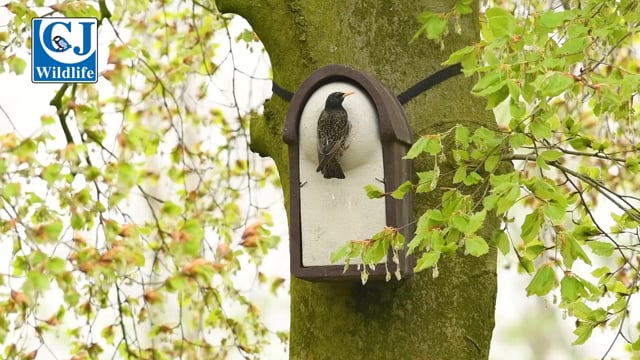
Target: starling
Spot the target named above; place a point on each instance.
(333, 130)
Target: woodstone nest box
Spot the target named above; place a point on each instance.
(326, 212)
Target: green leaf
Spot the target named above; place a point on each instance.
(11, 190)
(108, 334)
(571, 250)
(497, 97)
(583, 331)
(376, 251)
(460, 175)
(77, 222)
(127, 175)
(555, 209)
(460, 222)
(56, 266)
(176, 283)
(533, 250)
(475, 245)
(540, 129)
(194, 234)
(543, 281)
(417, 148)
(526, 265)
(373, 192)
(434, 25)
(402, 190)
(517, 140)
(580, 143)
(460, 55)
(489, 84)
(555, 84)
(601, 271)
(619, 288)
(475, 222)
(570, 288)
(51, 173)
(16, 64)
(531, 226)
(463, 7)
(36, 281)
(501, 22)
(601, 248)
(472, 179)
(171, 209)
(52, 230)
(491, 163)
(428, 180)
(462, 136)
(574, 45)
(415, 243)
(553, 19)
(427, 260)
(551, 155)
(501, 240)
(433, 145)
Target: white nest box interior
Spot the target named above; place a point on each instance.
(334, 211)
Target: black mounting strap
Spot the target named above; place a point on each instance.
(429, 82)
(408, 95)
(283, 93)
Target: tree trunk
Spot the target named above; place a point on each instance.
(447, 317)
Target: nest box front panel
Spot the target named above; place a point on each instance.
(336, 210)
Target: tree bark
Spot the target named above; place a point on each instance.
(447, 317)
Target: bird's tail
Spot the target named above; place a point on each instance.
(331, 169)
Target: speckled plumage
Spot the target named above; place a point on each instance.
(333, 131)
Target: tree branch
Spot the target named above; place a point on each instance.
(62, 115)
(603, 190)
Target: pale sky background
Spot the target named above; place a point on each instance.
(526, 327)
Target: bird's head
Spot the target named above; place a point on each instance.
(334, 100)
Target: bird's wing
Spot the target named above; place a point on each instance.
(329, 142)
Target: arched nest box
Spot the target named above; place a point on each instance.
(327, 213)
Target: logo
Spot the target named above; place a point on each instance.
(64, 50)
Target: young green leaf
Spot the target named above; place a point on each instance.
(601, 248)
(571, 250)
(543, 281)
(428, 180)
(475, 245)
(341, 253)
(531, 226)
(551, 155)
(583, 331)
(462, 136)
(570, 288)
(460, 175)
(402, 190)
(373, 192)
(417, 148)
(555, 84)
(501, 22)
(501, 240)
(427, 260)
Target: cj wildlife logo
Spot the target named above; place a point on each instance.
(64, 50)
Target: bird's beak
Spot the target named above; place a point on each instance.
(348, 93)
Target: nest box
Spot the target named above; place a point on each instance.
(325, 213)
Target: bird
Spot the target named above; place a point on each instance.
(333, 131)
(61, 43)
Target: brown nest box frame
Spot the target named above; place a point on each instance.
(396, 138)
